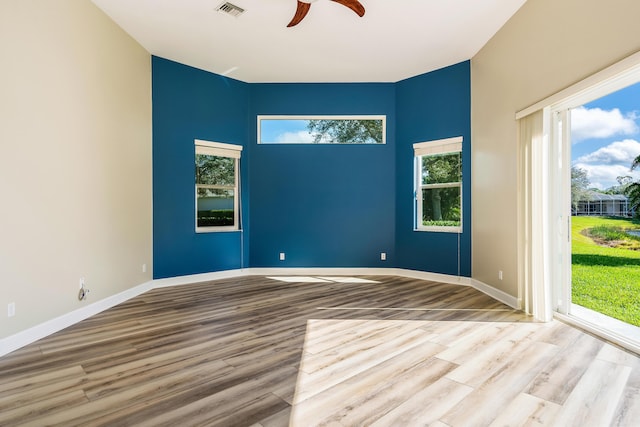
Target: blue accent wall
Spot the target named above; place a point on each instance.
(192, 104)
(322, 205)
(432, 106)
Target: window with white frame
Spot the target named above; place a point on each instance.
(341, 130)
(438, 185)
(217, 177)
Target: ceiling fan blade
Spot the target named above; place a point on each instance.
(301, 12)
(354, 5)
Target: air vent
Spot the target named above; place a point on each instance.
(231, 9)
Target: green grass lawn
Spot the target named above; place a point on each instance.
(605, 279)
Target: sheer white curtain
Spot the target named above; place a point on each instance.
(534, 275)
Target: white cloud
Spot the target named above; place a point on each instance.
(617, 153)
(604, 176)
(300, 137)
(604, 165)
(597, 123)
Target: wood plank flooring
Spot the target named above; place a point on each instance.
(365, 351)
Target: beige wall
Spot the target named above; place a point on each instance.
(75, 159)
(546, 46)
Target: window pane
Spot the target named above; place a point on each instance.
(214, 170)
(346, 131)
(442, 168)
(321, 130)
(441, 207)
(215, 207)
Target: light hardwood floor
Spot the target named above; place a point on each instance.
(379, 351)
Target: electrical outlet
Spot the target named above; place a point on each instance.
(500, 274)
(281, 256)
(383, 256)
(11, 309)
(144, 268)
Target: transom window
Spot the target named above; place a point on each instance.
(341, 130)
(217, 176)
(438, 185)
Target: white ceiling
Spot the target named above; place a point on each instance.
(395, 39)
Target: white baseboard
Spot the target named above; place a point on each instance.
(49, 327)
(431, 277)
(317, 271)
(196, 278)
(496, 294)
(33, 334)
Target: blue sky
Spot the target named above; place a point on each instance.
(284, 131)
(605, 136)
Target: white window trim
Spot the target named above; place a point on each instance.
(439, 146)
(220, 149)
(322, 117)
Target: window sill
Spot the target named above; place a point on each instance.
(205, 230)
(457, 230)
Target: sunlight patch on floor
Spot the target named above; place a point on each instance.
(298, 279)
(323, 279)
(416, 309)
(351, 369)
(349, 280)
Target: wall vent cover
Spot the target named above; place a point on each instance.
(231, 9)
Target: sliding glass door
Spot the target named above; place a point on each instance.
(578, 254)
